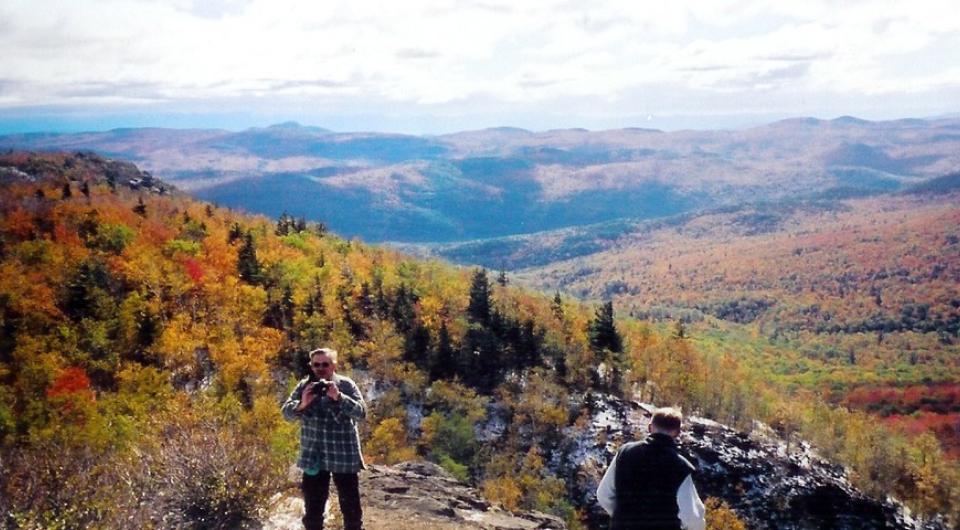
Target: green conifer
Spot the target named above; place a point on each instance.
(248, 267)
(602, 330)
(479, 308)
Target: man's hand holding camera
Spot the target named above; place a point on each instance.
(333, 392)
(317, 389)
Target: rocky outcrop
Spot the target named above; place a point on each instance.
(78, 167)
(768, 484)
(773, 487)
(420, 495)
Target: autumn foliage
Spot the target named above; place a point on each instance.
(72, 382)
(143, 331)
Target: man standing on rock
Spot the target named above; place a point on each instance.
(649, 485)
(328, 406)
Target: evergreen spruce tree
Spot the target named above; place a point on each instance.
(235, 234)
(248, 267)
(381, 305)
(416, 346)
(85, 189)
(366, 300)
(529, 348)
(285, 225)
(557, 307)
(403, 312)
(279, 314)
(607, 343)
(66, 193)
(354, 322)
(289, 306)
(148, 328)
(273, 316)
(481, 363)
(314, 303)
(602, 330)
(500, 326)
(478, 309)
(443, 365)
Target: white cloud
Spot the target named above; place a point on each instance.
(440, 52)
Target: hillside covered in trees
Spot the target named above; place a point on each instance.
(147, 339)
(855, 299)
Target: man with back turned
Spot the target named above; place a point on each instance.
(649, 486)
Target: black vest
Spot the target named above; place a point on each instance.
(648, 475)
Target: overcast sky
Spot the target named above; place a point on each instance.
(431, 66)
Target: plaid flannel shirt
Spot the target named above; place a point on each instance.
(329, 440)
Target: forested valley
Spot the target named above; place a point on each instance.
(147, 339)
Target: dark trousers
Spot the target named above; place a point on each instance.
(316, 489)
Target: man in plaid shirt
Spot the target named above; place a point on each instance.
(328, 407)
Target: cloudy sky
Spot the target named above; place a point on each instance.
(429, 66)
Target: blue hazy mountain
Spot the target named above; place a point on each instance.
(505, 181)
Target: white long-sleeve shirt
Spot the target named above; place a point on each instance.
(692, 512)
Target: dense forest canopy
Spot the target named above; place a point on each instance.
(148, 338)
(854, 299)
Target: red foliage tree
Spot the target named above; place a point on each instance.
(72, 381)
(194, 270)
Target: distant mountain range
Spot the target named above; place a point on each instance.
(506, 181)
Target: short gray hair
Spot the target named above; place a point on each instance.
(329, 352)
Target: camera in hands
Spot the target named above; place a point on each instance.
(320, 387)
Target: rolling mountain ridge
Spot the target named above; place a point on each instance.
(504, 181)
